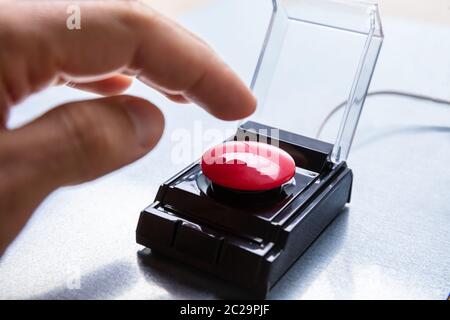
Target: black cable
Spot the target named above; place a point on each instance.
(380, 93)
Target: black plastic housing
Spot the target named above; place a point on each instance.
(248, 239)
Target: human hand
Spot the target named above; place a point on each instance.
(83, 140)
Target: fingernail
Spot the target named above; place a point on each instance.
(147, 120)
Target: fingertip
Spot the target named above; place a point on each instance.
(250, 104)
(240, 103)
(222, 93)
(241, 98)
(242, 109)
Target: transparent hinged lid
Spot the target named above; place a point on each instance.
(316, 55)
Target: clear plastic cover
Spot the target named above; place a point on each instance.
(317, 54)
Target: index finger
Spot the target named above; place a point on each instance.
(119, 36)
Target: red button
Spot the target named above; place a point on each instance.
(248, 166)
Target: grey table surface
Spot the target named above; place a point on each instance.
(392, 241)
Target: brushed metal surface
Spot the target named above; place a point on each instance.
(392, 242)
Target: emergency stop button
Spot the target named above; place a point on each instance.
(248, 166)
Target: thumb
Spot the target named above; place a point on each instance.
(73, 143)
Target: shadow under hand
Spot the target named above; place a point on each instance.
(104, 283)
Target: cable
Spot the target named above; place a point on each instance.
(380, 93)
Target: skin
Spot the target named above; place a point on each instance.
(80, 141)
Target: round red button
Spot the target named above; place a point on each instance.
(248, 166)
